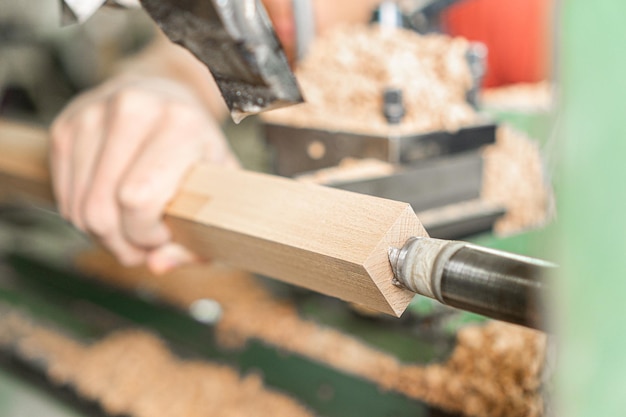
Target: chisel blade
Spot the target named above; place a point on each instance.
(237, 42)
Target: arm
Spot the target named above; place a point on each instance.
(121, 150)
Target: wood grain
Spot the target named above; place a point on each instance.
(331, 241)
(23, 162)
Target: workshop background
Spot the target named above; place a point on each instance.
(539, 176)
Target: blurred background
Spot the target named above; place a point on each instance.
(509, 135)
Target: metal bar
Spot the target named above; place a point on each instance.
(433, 183)
(493, 283)
(291, 145)
(504, 288)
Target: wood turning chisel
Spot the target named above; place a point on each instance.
(234, 39)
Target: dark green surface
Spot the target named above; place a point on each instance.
(535, 243)
(88, 310)
(408, 339)
(537, 125)
(329, 392)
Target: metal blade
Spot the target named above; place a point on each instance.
(236, 41)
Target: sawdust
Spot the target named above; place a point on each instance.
(347, 69)
(523, 97)
(494, 370)
(134, 373)
(349, 169)
(514, 177)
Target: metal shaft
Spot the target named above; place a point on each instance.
(496, 284)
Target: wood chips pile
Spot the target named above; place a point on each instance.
(346, 71)
(514, 178)
(525, 97)
(134, 373)
(494, 371)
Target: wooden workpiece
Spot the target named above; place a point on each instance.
(331, 241)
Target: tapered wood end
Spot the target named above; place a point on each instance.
(378, 267)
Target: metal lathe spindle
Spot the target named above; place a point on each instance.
(493, 283)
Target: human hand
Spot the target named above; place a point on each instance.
(118, 155)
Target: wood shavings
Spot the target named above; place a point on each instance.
(524, 97)
(514, 177)
(493, 372)
(134, 373)
(346, 71)
(349, 169)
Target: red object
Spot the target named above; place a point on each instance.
(516, 32)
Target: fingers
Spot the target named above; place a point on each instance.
(132, 117)
(80, 114)
(118, 157)
(156, 173)
(86, 145)
(124, 252)
(76, 140)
